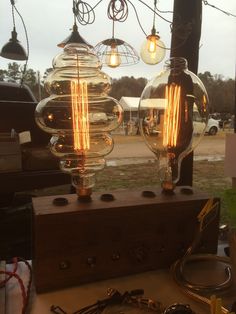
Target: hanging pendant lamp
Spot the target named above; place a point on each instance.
(74, 38)
(13, 49)
(114, 52)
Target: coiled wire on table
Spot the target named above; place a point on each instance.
(190, 288)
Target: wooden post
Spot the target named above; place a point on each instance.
(186, 34)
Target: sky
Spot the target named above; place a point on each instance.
(49, 22)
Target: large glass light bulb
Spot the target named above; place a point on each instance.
(113, 59)
(79, 115)
(152, 50)
(173, 115)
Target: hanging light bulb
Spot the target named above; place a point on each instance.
(79, 115)
(113, 59)
(153, 49)
(173, 115)
(114, 52)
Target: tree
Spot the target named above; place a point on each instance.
(14, 72)
(220, 91)
(127, 86)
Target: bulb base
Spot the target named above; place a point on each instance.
(83, 185)
(168, 187)
(84, 194)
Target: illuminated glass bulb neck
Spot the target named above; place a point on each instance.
(113, 59)
(152, 41)
(152, 47)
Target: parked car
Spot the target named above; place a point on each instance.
(212, 126)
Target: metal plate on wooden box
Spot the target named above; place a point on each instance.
(82, 242)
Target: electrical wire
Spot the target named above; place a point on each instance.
(207, 214)
(118, 13)
(154, 11)
(84, 12)
(136, 13)
(213, 6)
(184, 36)
(26, 36)
(25, 292)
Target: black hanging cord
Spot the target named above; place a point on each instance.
(84, 12)
(26, 36)
(117, 10)
(154, 11)
(154, 17)
(136, 13)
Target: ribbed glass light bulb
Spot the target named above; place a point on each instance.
(79, 114)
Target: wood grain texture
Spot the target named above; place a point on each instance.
(84, 242)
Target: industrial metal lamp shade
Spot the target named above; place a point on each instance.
(13, 49)
(74, 38)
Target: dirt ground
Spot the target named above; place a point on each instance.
(134, 147)
(131, 164)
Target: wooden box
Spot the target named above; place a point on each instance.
(10, 153)
(136, 232)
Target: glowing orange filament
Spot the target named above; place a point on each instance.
(80, 115)
(172, 116)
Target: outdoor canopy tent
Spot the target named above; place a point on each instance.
(130, 107)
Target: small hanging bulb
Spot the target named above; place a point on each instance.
(153, 49)
(113, 59)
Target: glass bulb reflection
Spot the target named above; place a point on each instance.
(173, 115)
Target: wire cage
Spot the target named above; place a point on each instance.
(127, 54)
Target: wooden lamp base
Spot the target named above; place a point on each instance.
(113, 235)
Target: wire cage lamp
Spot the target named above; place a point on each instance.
(114, 52)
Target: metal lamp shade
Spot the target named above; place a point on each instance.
(74, 38)
(13, 49)
(125, 52)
